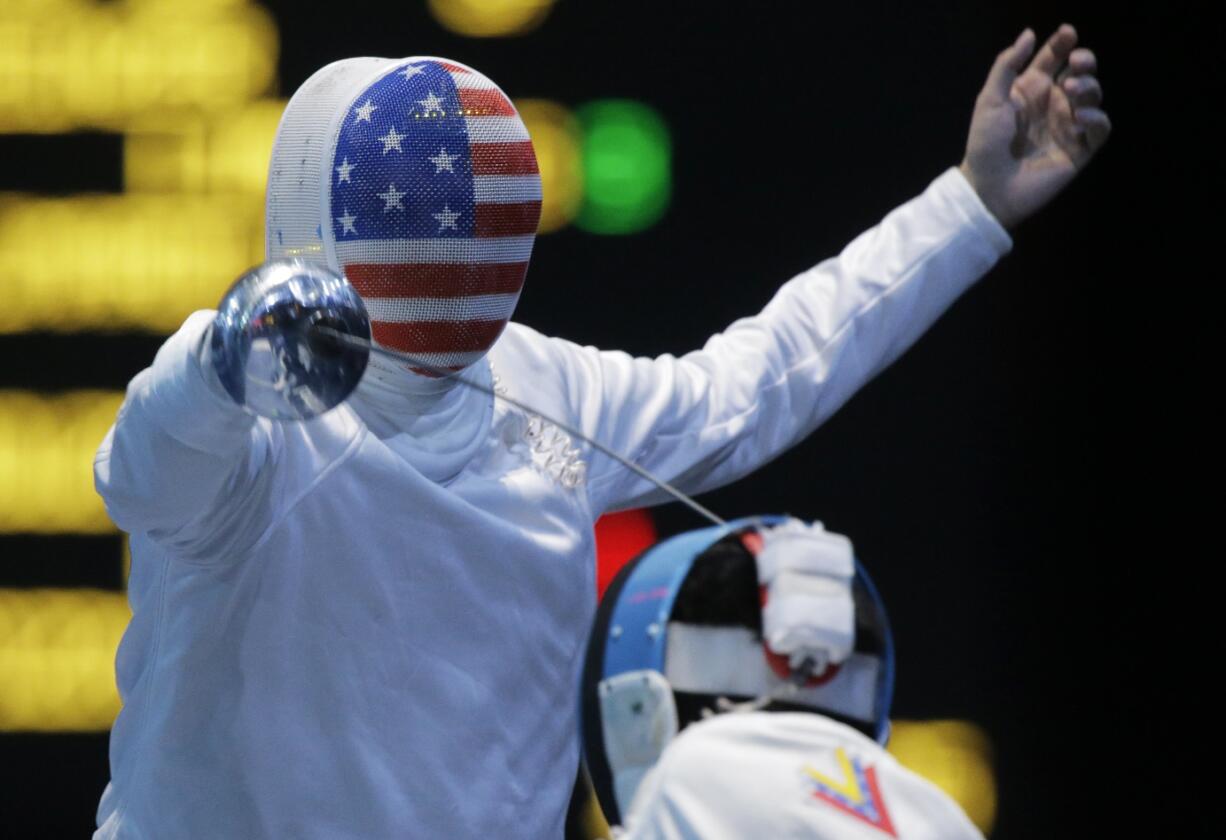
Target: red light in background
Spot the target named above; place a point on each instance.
(620, 537)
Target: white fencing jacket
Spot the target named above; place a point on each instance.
(359, 626)
(784, 775)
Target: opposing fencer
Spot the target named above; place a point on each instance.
(738, 684)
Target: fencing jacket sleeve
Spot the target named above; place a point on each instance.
(761, 386)
(182, 460)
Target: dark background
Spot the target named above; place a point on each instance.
(986, 478)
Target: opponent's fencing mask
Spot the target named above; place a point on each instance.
(416, 179)
(682, 626)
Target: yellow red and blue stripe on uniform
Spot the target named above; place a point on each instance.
(857, 794)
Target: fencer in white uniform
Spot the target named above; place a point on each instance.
(370, 624)
(788, 775)
(696, 724)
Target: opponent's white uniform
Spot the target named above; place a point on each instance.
(370, 625)
(787, 775)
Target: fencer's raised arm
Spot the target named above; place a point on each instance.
(762, 385)
(765, 383)
(182, 459)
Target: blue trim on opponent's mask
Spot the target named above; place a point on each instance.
(885, 687)
(646, 601)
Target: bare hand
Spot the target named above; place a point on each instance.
(1032, 131)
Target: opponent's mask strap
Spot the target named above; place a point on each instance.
(808, 617)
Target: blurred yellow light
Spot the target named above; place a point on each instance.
(555, 136)
(122, 262)
(177, 7)
(226, 153)
(490, 18)
(57, 658)
(166, 152)
(12, 8)
(954, 755)
(592, 822)
(100, 65)
(240, 147)
(180, 7)
(47, 446)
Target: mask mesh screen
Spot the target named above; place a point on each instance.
(292, 218)
(432, 193)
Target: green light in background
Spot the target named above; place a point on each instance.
(627, 168)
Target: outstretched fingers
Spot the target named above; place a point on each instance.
(1080, 84)
(1083, 91)
(1094, 126)
(1056, 52)
(1008, 65)
(1081, 61)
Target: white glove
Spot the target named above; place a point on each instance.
(809, 613)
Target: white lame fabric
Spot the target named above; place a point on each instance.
(327, 643)
(776, 775)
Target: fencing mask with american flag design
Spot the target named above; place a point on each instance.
(416, 179)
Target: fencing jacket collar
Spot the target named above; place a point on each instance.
(435, 425)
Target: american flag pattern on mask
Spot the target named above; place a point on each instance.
(435, 198)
